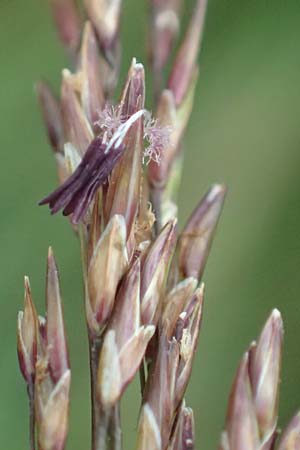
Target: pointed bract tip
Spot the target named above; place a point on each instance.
(133, 92)
(276, 315)
(217, 190)
(51, 262)
(277, 322)
(50, 253)
(27, 288)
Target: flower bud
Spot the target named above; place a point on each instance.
(196, 238)
(76, 126)
(51, 113)
(125, 341)
(154, 273)
(68, 23)
(127, 187)
(118, 366)
(106, 268)
(175, 303)
(161, 386)
(56, 336)
(27, 341)
(171, 367)
(92, 95)
(265, 364)
(187, 334)
(126, 316)
(109, 372)
(51, 381)
(164, 30)
(241, 425)
(125, 183)
(253, 405)
(176, 118)
(186, 59)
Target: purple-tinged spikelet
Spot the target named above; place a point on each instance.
(75, 195)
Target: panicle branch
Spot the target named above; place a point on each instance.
(136, 317)
(119, 169)
(44, 362)
(253, 404)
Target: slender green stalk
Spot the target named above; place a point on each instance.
(115, 431)
(101, 431)
(94, 348)
(30, 391)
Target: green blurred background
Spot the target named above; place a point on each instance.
(244, 132)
